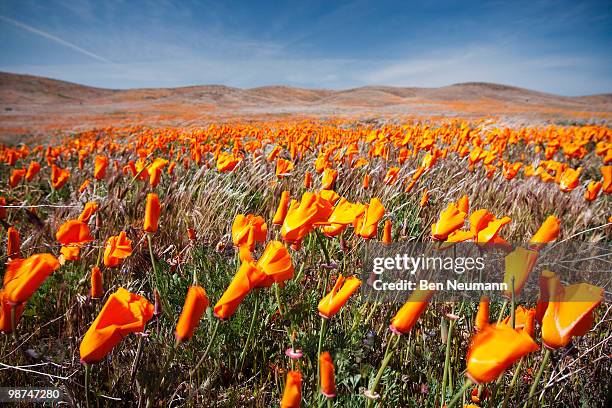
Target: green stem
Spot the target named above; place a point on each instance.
(278, 298)
(152, 259)
(210, 342)
(13, 324)
(388, 354)
(536, 380)
(467, 384)
(137, 359)
(512, 383)
(323, 247)
(251, 327)
(87, 372)
(447, 361)
(502, 310)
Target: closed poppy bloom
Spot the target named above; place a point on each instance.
(487, 226)
(59, 177)
(283, 167)
(326, 373)
(569, 312)
(307, 180)
(339, 295)
(117, 248)
(281, 211)
(366, 181)
(73, 232)
(5, 312)
(249, 229)
(154, 176)
(424, 199)
(464, 204)
(70, 253)
(16, 176)
(387, 233)
(2, 208)
(152, 210)
(451, 219)
(292, 396)
(13, 243)
(366, 225)
(84, 186)
(405, 319)
(329, 178)
(606, 172)
(196, 303)
(24, 276)
(97, 287)
(569, 179)
(519, 264)
(244, 281)
(33, 170)
(274, 153)
(592, 190)
(100, 166)
(494, 349)
(482, 317)
(122, 314)
(548, 231)
(89, 210)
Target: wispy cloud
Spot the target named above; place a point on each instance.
(53, 38)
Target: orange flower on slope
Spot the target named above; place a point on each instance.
(569, 312)
(302, 216)
(59, 177)
(13, 243)
(329, 178)
(592, 190)
(424, 198)
(482, 316)
(97, 288)
(281, 211)
(569, 179)
(606, 172)
(546, 284)
(344, 214)
(283, 168)
(451, 219)
(16, 176)
(391, 176)
(275, 262)
(33, 170)
(89, 210)
(69, 253)
(249, 229)
(366, 225)
(386, 239)
(307, 180)
(463, 204)
(405, 319)
(5, 312)
(122, 314)
(494, 349)
(117, 248)
(100, 166)
(519, 264)
(83, 186)
(485, 226)
(292, 396)
(196, 303)
(326, 373)
(24, 276)
(339, 295)
(226, 162)
(152, 210)
(523, 320)
(73, 232)
(548, 231)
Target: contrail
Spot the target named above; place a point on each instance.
(53, 38)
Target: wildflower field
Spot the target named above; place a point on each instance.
(222, 266)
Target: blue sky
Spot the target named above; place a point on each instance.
(557, 46)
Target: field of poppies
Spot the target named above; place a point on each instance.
(222, 266)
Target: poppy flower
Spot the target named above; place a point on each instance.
(301, 216)
(451, 219)
(482, 316)
(122, 314)
(592, 190)
(2, 208)
(73, 232)
(191, 233)
(519, 264)
(196, 303)
(463, 204)
(13, 243)
(275, 262)
(273, 153)
(339, 295)
(16, 176)
(33, 170)
(569, 312)
(89, 210)
(548, 231)
(283, 168)
(249, 229)
(59, 177)
(84, 185)
(100, 166)
(152, 210)
(494, 349)
(329, 178)
(366, 225)
(70, 253)
(387, 233)
(326, 373)
(405, 319)
(307, 180)
(523, 319)
(24, 276)
(292, 396)
(116, 249)
(226, 162)
(569, 179)
(5, 312)
(97, 288)
(366, 181)
(281, 211)
(606, 172)
(344, 214)
(424, 199)
(546, 285)
(391, 176)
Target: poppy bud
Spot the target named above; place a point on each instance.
(292, 396)
(196, 303)
(13, 243)
(328, 380)
(152, 210)
(482, 317)
(97, 290)
(281, 211)
(405, 319)
(387, 232)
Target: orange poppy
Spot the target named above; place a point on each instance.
(339, 295)
(73, 232)
(59, 177)
(5, 312)
(116, 249)
(329, 178)
(100, 166)
(519, 264)
(482, 317)
(226, 162)
(424, 198)
(548, 231)
(13, 243)
(592, 190)
(70, 253)
(24, 276)
(451, 219)
(301, 216)
(196, 303)
(16, 176)
(545, 284)
(366, 181)
(326, 373)
(405, 319)
(391, 176)
(387, 233)
(292, 396)
(89, 210)
(152, 210)
(606, 172)
(249, 229)
(569, 179)
(366, 225)
(281, 211)
(307, 180)
(33, 170)
(494, 349)
(122, 314)
(83, 186)
(344, 213)
(463, 204)
(283, 168)
(97, 290)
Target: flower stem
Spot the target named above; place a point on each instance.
(536, 380)
(13, 323)
(512, 383)
(87, 372)
(137, 359)
(467, 384)
(447, 361)
(251, 327)
(388, 354)
(210, 342)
